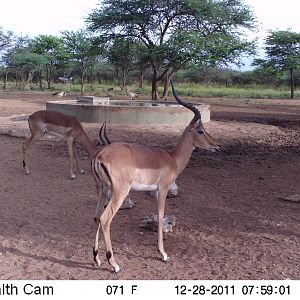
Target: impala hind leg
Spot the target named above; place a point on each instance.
(99, 210)
(26, 145)
(70, 143)
(101, 199)
(161, 200)
(105, 220)
(96, 245)
(80, 170)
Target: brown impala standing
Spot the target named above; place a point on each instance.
(123, 167)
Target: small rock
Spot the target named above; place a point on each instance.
(151, 222)
(291, 198)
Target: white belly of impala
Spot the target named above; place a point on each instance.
(136, 186)
(54, 131)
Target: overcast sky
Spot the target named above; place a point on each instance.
(34, 17)
(275, 15)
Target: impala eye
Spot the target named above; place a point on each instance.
(200, 131)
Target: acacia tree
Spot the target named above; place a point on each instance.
(5, 39)
(18, 45)
(142, 61)
(51, 47)
(162, 25)
(6, 43)
(80, 49)
(10, 44)
(27, 64)
(120, 54)
(189, 49)
(283, 53)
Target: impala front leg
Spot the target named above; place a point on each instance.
(161, 199)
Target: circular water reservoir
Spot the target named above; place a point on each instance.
(127, 112)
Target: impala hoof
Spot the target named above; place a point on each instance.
(72, 176)
(117, 269)
(81, 171)
(96, 257)
(26, 170)
(97, 264)
(165, 257)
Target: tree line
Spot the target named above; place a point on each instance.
(128, 40)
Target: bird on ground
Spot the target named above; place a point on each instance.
(59, 94)
(132, 95)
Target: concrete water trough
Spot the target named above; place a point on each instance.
(97, 110)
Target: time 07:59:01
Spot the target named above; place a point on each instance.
(230, 290)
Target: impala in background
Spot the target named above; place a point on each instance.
(58, 124)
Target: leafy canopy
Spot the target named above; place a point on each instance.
(190, 28)
(283, 49)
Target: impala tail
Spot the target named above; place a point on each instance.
(100, 172)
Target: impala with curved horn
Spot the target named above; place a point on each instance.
(123, 167)
(103, 135)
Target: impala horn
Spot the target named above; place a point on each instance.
(105, 141)
(197, 114)
(105, 135)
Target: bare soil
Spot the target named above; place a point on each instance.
(231, 219)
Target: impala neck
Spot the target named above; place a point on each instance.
(87, 144)
(183, 151)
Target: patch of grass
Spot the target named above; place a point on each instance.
(184, 89)
(208, 91)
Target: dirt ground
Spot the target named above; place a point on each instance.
(231, 220)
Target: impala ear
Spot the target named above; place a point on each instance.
(197, 123)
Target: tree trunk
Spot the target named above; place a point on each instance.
(40, 80)
(29, 79)
(48, 75)
(168, 77)
(5, 79)
(155, 80)
(292, 84)
(18, 78)
(82, 84)
(123, 80)
(91, 82)
(141, 83)
(154, 93)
